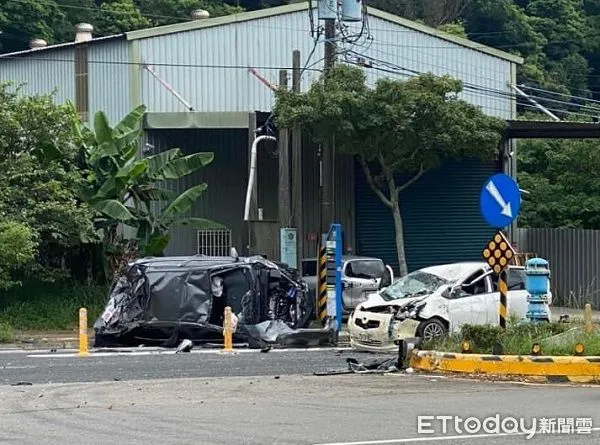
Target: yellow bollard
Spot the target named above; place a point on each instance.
(588, 327)
(227, 331)
(83, 332)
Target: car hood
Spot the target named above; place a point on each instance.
(375, 300)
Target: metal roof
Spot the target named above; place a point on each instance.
(304, 6)
(270, 12)
(60, 46)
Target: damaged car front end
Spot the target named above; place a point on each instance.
(414, 306)
(159, 301)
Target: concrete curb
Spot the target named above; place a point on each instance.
(543, 368)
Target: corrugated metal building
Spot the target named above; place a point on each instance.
(220, 104)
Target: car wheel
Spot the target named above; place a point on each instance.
(432, 328)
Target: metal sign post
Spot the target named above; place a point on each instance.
(498, 253)
(322, 280)
(334, 273)
(500, 203)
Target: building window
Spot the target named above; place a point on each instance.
(81, 82)
(214, 242)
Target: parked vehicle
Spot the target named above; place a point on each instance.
(164, 300)
(434, 301)
(361, 276)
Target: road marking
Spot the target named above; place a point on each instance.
(135, 352)
(433, 439)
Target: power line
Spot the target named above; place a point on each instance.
(158, 64)
(476, 89)
(478, 86)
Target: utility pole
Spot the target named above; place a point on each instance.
(329, 44)
(297, 166)
(327, 161)
(284, 166)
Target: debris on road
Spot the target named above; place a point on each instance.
(375, 366)
(184, 346)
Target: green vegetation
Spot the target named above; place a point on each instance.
(519, 338)
(6, 333)
(64, 190)
(125, 189)
(42, 306)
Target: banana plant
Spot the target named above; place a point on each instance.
(124, 188)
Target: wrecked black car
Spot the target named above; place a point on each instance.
(161, 301)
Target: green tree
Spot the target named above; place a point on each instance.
(17, 248)
(124, 188)
(433, 12)
(563, 181)
(164, 12)
(118, 16)
(399, 129)
(23, 20)
(37, 187)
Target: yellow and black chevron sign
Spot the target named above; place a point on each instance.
(498, 252)
(322, 283)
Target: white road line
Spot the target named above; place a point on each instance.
(436, 439)
(44, 354)
(32, 351)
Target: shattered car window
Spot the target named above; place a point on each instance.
(365, 269)
(413, 284)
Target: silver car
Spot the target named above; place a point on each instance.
(361, 276)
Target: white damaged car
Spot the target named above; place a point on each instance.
(434, 301)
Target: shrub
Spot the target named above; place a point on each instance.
(6, 333)
(44, 306)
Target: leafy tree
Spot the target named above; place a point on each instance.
(118, 16)
(164, 12)
(563, 181)
(22, 20)
(433, 12)
(37, 188)
(399, 130)
(454, 28)
(124, 188)
(17, 248)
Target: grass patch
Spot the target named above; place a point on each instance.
(6, 333)
(43, 306)
(518, 339)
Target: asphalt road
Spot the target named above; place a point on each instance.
(97, 367)
(292, 409)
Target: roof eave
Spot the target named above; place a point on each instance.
(216, 21)
(58, 46)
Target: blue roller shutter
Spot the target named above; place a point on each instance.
(442, 221)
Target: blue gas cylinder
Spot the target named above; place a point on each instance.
(537, 276)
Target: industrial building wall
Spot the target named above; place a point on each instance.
(344, 198)
(395, 49)
(42, 73)
(54, 70)
(208, 66)
(263, 43)
(226, 177)
(108, 67)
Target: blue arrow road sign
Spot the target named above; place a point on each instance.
(500, 200)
